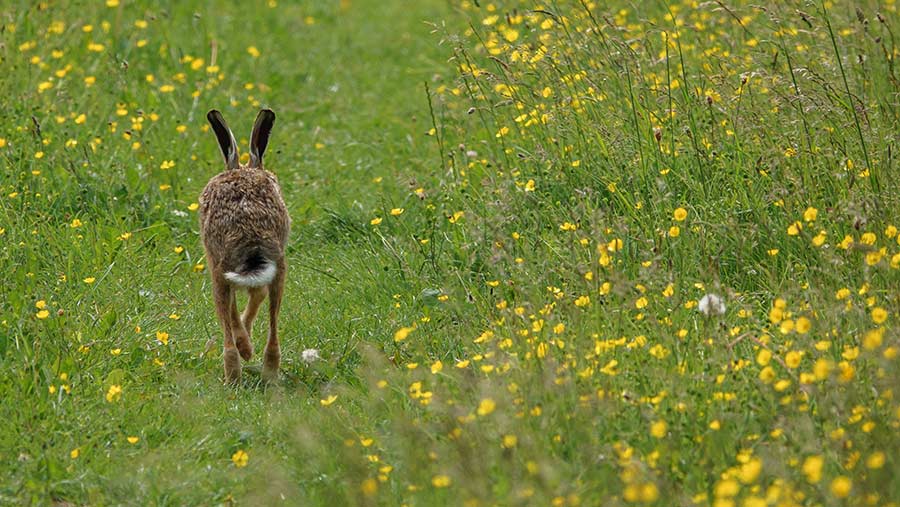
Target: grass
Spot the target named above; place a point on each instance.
(509, 224)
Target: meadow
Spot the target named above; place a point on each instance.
(560, 253)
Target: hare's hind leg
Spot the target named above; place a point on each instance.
(257, 296)
(272, 355)
(240, 332)
(223, 294)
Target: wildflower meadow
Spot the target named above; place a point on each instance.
(549, 253)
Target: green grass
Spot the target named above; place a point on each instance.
(505, 217)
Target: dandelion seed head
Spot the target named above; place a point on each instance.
(711, 304)
(309, 355)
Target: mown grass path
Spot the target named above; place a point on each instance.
(346, 80)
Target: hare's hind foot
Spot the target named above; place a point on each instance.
(232, 366)
(244, 345)
(271, 363)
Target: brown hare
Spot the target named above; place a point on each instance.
(244, 224)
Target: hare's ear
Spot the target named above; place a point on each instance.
(259, 139)
(225, 137)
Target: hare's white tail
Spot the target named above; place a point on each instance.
(262, 275)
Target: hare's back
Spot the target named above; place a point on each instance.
(243, 209)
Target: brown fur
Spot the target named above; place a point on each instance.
(244, 224)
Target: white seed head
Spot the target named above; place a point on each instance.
(711, 304)
(309, 355)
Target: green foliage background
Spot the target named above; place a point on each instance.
(508, 220)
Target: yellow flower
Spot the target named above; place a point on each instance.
(750, 470)
(874, 257)
(89, 280)
(680, 214)
(715, 425)
(875, 460)
(440, 481)
(659, 429)
(674, 231)
(486, 406)
(42, 314)
(369, 487)
(841, 486)
(163, 337)
(819, 239)
(74, 453)
(810, 214)
(397, 212)
(873, 339)
(375, 221)
(812, 468)
(640, 303)
(252, 51)
(133, 440)
(114, 393)
(509, 441)
(240, 458)
(582, 301)
(328, 401)
(879, 315)
(792, 359)
(822, 368)
(403, 333)
(803, 325)
(610, 368)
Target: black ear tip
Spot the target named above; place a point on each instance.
(268, 114)
(213, 115)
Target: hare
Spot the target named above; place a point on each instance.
(244, 225)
